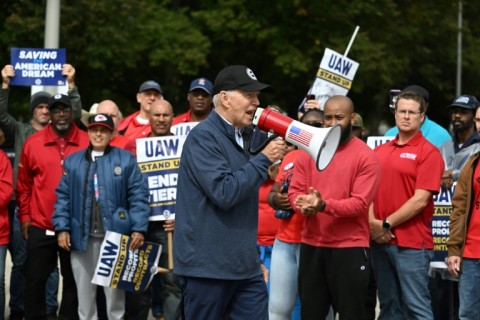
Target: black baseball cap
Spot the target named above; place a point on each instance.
(465, 101)
(59, 99)
(101, 119)
(418, 90)
(237, 77)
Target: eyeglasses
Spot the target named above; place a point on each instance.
(56, 110)
(408, 112)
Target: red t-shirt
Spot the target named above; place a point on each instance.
(119, 141)
(6, 187)
(415, 165)
(472, 241)
(348, 186)
(267, 223)
(289, 230)
(184, 117)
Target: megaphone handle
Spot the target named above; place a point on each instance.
(263, 145)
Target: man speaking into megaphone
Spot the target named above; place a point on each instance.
(215, 240)
(334, 263)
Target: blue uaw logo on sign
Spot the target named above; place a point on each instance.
(167, 214)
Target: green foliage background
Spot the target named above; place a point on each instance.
(116, 45)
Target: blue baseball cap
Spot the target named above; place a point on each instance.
(202, 84)
(150, 85)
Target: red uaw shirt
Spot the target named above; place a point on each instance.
(184, 117)
(267, 223)
(132, 129)
(6, 190)
(348, 186)
(40, 170)
(472, 249)
(290, 229)
(417, 164)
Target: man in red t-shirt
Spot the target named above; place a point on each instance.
(334, 254)
(401, 215)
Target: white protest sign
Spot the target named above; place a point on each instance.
(334, 77)
(159, 159)
(121, 268)
(375, 141)
(183, 129)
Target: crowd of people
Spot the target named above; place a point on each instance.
(256, 235)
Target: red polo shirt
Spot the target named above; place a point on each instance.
(132, 129)
(415, 165)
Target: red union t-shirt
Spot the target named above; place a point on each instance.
(289, 230)
(472, 249)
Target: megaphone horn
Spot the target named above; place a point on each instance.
(320, 143)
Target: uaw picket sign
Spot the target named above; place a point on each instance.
(440, 226)
(159, 160)
(183, 129)
(441, 214)
(374, 142)
(121, 268)
(34, 66)
(334, 76)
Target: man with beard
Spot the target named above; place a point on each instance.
(334, 254)
(200, 99)
(456, 152)
(39, 172)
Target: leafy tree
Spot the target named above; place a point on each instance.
(116, 45)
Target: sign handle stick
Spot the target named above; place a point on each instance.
(351, 41)
(170, 249)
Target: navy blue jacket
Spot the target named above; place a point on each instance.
(216, 215)
(123, 195)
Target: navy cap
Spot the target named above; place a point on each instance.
(465, 101)
(202, 84)
(150, 85)
(237, 77)
(59, 98)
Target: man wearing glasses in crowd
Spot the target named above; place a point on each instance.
(401, 214)
(39, 172)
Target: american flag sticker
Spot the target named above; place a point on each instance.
(302, 136)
